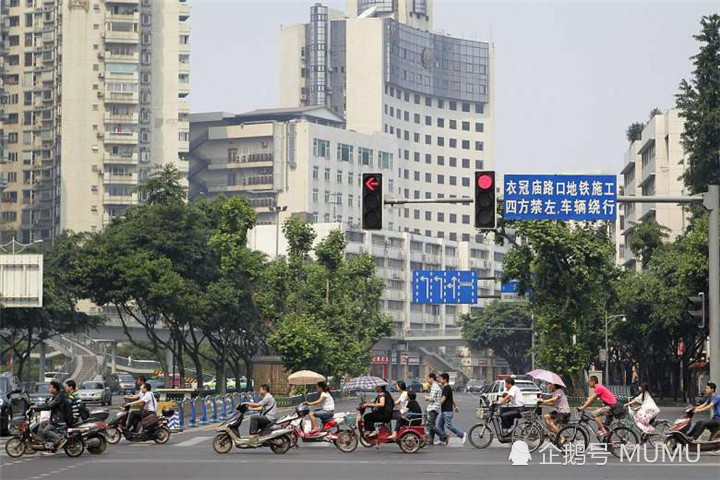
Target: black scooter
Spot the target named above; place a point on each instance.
(482, 433)
(678, 435)
(26, 441)
(156, 430)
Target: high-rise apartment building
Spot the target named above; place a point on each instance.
(381, 67)
(653, 166)
(92, 100)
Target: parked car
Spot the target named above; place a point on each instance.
(95, 391)
(14, 401)
(531, 393)
(39, 392)
(475, 386)
(414, 386)
(123, 383)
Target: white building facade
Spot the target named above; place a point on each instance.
(92, 93)
(653, 166)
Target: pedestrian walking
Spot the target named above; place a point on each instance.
(448, 408)
(433, 410)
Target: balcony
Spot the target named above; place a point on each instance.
(260, 182)
(184, 68)
(395, 295)
(109, 179)
(184, 11)
(120, 159)
(183, 89)
(126, 18)
(123, 98)
(119, 199)
(184, 49)
(184, 29)
(113, 36)
(184, 107)
(121, 138)
(125, 119)
(133, 57)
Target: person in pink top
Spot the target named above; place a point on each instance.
(606, 397)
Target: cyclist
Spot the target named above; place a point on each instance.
(610, 404)
(561, 413)
(645, 409)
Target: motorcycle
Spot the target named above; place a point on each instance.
(343, 439)
(26, 441)
(278, 438)
(482, 433)
(410, 438)
(92, 430)
(154, 429)
(677, 434)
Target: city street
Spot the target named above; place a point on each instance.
(189, 455)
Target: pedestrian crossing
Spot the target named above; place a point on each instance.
(200, 440)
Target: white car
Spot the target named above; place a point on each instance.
(531, 393)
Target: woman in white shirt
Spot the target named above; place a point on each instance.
(327, 406)
(644, 408)
(402, 402)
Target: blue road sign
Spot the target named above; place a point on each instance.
(560, 197)
(445, 286)
(510, 287)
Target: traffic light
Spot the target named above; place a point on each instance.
(372, 201)
(485, 213)
(696, 307)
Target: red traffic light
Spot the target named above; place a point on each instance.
(485, 181)
(371, 183)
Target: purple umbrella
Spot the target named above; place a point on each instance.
(547, 376)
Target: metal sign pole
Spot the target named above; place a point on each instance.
(712, 203)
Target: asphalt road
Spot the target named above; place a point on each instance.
(189, 455)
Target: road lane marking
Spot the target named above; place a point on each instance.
(192, 442)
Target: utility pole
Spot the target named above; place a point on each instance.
(711, 201)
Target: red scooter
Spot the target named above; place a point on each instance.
(344, 439)
(678, 435)
(410, 438)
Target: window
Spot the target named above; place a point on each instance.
(339, 176)
(417, 118)
(479, 127)
(345, 152)
(453, 218)
(441, 160)
(441, 179)
(416, 137)
(428, 140)
(479, 146)
(315, 195)
(385, 160)
(428, 102)
(441, 141)
(453, 180)
(428, 216)
(466, 219)
(350, 178)
(416, 176)
(316, 173)
(453, 124)
(440, 122)
(466, 126)
(428, 120)
(321, 148)
(428, 158)
(453, 143)
(417, 99)
(338, 199)
(479, 108)
(416, 214)
(466, 144)
(327, 174)
(441, 217)
(327, 197)
(416, 156)
(453, 105)
(365, 156)
(479, 164)
(350, 200)
(406, 116)
(465, 181)
(441, 104)
(465, 107)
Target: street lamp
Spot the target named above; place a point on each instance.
(277, 209)
(609, 319)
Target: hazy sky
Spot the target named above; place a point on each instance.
(570, 76)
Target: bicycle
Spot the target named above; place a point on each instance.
(660, 425)
(533, 430)
(580, 431)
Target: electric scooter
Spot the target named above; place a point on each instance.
(482, 433)
(278, 438)
(678, 434)
(410, 438)
(330, 431)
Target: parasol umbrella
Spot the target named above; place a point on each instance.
(305, 377)
(364, 383)
(547, 376)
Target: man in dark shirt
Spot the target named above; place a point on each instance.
(448, 407)
(59, 414)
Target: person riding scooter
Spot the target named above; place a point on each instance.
(60, 413)
(147, 403)
(267, 415)
(134, 416)
(713, 402)
(382, 410)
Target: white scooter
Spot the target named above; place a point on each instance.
(278, 438)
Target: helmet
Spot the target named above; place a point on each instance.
(302, 410)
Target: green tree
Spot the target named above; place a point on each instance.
(570, 269)
(634, 132)
(163, 186)
(647, 236)
(699, 104)
(655, 111)
(23, 329)
(494, 328)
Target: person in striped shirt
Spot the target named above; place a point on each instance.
(74, 400)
